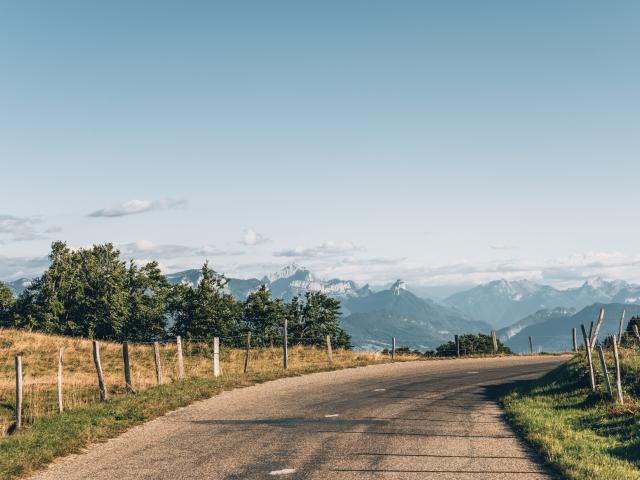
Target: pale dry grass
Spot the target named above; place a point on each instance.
(40, 366)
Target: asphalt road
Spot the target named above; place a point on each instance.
(434, 419)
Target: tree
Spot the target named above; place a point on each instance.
(81, 294)
(315, 317)
(205, 311)
(7, 303)
(629, 335)
(147, 300)
(471, 345)
(264, 316)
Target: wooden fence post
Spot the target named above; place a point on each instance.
(18, 392)
(616, 357)
(127, 366)
(180, 357)
(96, 361)
(594, 338)
(246, 353)
(587, 348)
(590, 333)
(216, 356)
(605, 372)
(156, 356)
(620, 327)
(285, 352)
(530, 345)
(495, 342)
(60, 364)
(457, 338)
(393, 349)
(575, 340)
(636, 332)
(329, 351)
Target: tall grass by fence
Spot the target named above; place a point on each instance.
(60, 373)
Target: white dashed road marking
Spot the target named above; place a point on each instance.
(286, 471)
(473, 372)
(331, 415)
(380, 390)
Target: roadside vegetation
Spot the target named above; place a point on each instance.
(93, 293)
(584, 434)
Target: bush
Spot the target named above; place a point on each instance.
(470, 344)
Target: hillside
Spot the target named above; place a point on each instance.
(553, 334)
(541, 316)
(501, 303)
(415, 322)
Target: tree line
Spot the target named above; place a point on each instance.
(93, 293)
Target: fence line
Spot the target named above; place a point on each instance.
(165, 357)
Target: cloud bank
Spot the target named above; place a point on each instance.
(134, 207)
(144, 249)
(252, 238)
(327, 249)
(18, 229)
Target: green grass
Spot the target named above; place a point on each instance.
(583, 435)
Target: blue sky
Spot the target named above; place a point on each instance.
(442, 142)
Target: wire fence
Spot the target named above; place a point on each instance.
(61, 373)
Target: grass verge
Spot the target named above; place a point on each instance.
(581, 434)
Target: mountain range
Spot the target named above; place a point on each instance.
(18, 286)
(371, 318)
(550, 330)
(502, 303)
(396, 312)
(517, 308)
(286, 283)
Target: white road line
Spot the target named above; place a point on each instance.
(285, 471)
(473, 372)
(380, 390)
(331, 415)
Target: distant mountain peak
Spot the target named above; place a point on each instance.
(286, 272)
(398, 287)
(600, 283)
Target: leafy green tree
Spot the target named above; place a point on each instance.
(7, 303)
(471, 345)
(205, 311)
(147, 300)
(629, 336)
(315, 317)
(264, 316)
(81, 293)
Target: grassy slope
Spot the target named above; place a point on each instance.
(582, 435)
(49, 435)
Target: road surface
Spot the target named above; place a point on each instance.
(418, 420)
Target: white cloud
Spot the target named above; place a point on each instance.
(501, 246)
(12, 268)
(327, 249)
(144, 249)
(17, 229)
(133, 207)
(252, 238)
(559, 272)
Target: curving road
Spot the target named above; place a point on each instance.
(418, 420)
